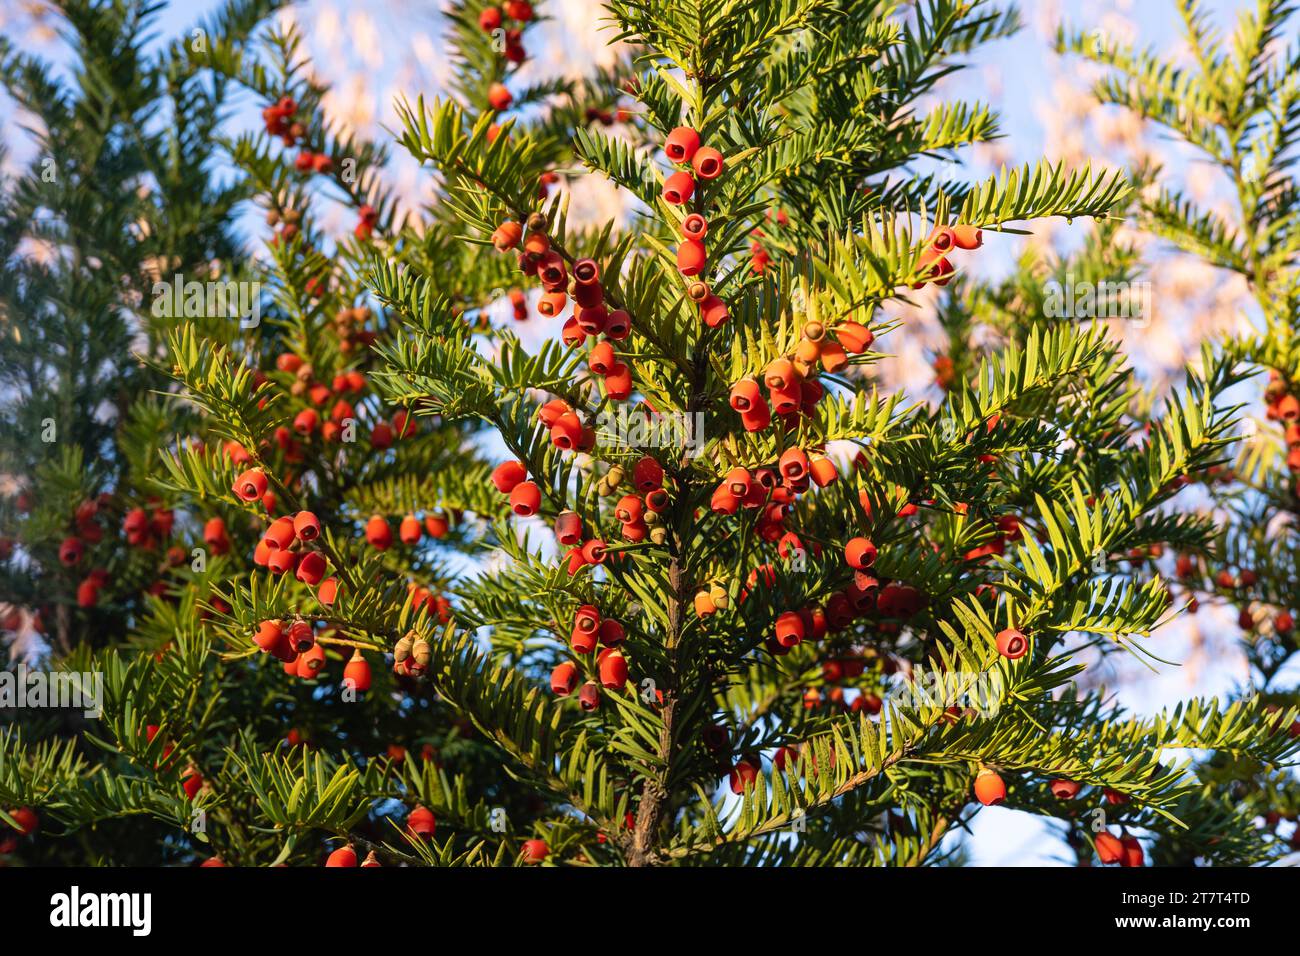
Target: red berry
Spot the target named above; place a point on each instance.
(568, 528)
(707, 163)
(793, 464)
(564, 678)
(378, 533)
(311, 661)
(695, 226)
(343, 856)
(789, 629)
(534, 851)
(269, 636)
(1012, 644)
(70, 551)
(214, 536)
(305, 422)
(88, 592)
(508, 474)
(967, 237)
(678, 188)
(1109, 848)
(681, 144)
(301, 636)
(409, 530)
(613, 669)
(824, 472)
(525, 499)
(249, 486)
(26, 819)
(611, 633)
(589, 696)
(282, 560)
(328, 591)
(421, 823)
(853, 337)
(499, 98)
(566, 433)
(311, 568)
(860, 553)
(191, 782)
(305, 526)
(647, 475)
(1133, 855)
(356, 673)
(691, 257)
(743, 775)
(281, 533)
(989, 788)
(1064, 789)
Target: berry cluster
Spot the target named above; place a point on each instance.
(942, 242)
(610, 666)
(280, 119)
(493, 19)
(792, 388)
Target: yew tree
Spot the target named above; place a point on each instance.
(512, 535)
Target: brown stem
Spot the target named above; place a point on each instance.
(654, 794)
(642, 847)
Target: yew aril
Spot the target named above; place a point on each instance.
(508, 474)
(311, 568)
(990, 789)
(305, 526)
(694, 227)
(967, 237)
(589, 696)
(378, 533)
(280, 533)
(409, 531)
(713, 311)
(525, 499)
(707, 163)
(678, 188)
(793, 464)
(281, 560)
(1064, 789)
(681, 144)
(564, 678)
(691, 257)
(249, 486)
(789, 629)
(1012, 644)
(356, 673)
(743, 775)
(612, 666)
(344, 856)
(618, 325)
(421, 823)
